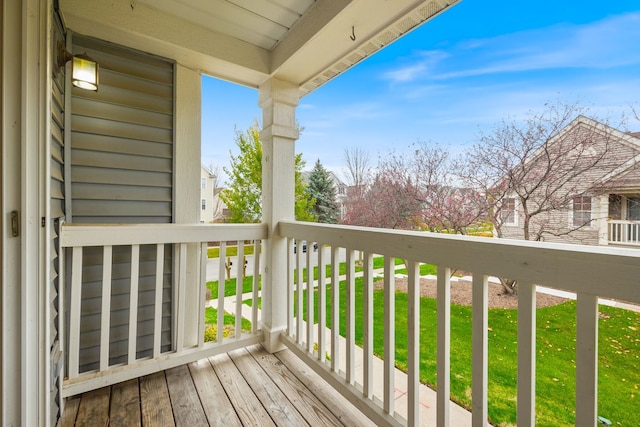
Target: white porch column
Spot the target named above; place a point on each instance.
(187, 187)
(278, 100)
(601, 215)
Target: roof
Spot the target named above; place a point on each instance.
(305, 42)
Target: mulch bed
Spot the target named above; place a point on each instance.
(461, 293)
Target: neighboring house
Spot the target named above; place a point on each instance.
(601, 205)
(207, 189)
(341, 192)
(212, 208)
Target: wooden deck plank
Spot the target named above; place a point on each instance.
(125, 404)
(309, 406)
(248, 407)
(216, 404)
(348, 414)
(71, 406)
(94, 408)
(187, 409)
(245, 387)
(155, 401)
(274, 401)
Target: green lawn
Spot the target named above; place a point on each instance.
(230, 286)
(232, 251)
(211, 322)
(619, 355)
(619, 350)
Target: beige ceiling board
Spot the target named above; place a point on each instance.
(151, 30)
(305, 42)
(285, 13)
(246, 24)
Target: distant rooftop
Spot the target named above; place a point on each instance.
(634, 134)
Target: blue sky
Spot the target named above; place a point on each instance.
(458, 74)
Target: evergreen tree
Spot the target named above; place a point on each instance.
(323, 190)
(243, 196)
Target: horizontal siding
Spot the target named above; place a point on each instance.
(119, 113)
(122, 172)
(107, 144)
(56, 212)
(130, 98)
(119, 176)
(121, 161)
(121, 208)
(122, 192)
(125, 61)
(99, 126)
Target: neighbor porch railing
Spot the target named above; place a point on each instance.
(590, 272)
(188, 267)
(623, 232)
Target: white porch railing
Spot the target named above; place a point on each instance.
(590, 272)
(189, 244)
(622, 232)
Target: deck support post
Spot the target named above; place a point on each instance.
(278, 100)
(187, 195)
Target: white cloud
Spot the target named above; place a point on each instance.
(611, 42)
(425, 62)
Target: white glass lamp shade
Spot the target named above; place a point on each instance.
(84, 73)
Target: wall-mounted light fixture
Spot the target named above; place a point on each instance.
(84, 69)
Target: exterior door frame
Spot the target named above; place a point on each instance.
(25, 311)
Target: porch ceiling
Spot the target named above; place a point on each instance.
(307, 42)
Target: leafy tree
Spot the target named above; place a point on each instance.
(243, 197)
(323, 190)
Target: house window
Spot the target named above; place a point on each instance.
(581, 211)
(633, 208)
(203, 183)
(508, 213)
(204, 204)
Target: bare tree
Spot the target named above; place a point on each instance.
(358, 166)
(415, 191)
(538, 167)
(446, 206)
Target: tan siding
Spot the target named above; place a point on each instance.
(557, 223)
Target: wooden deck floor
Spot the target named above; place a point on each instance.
(247, 387)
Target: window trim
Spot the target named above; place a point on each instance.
(513, 223)
(573, 211)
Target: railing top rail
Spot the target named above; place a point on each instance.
(602, 271)
(128, 234)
